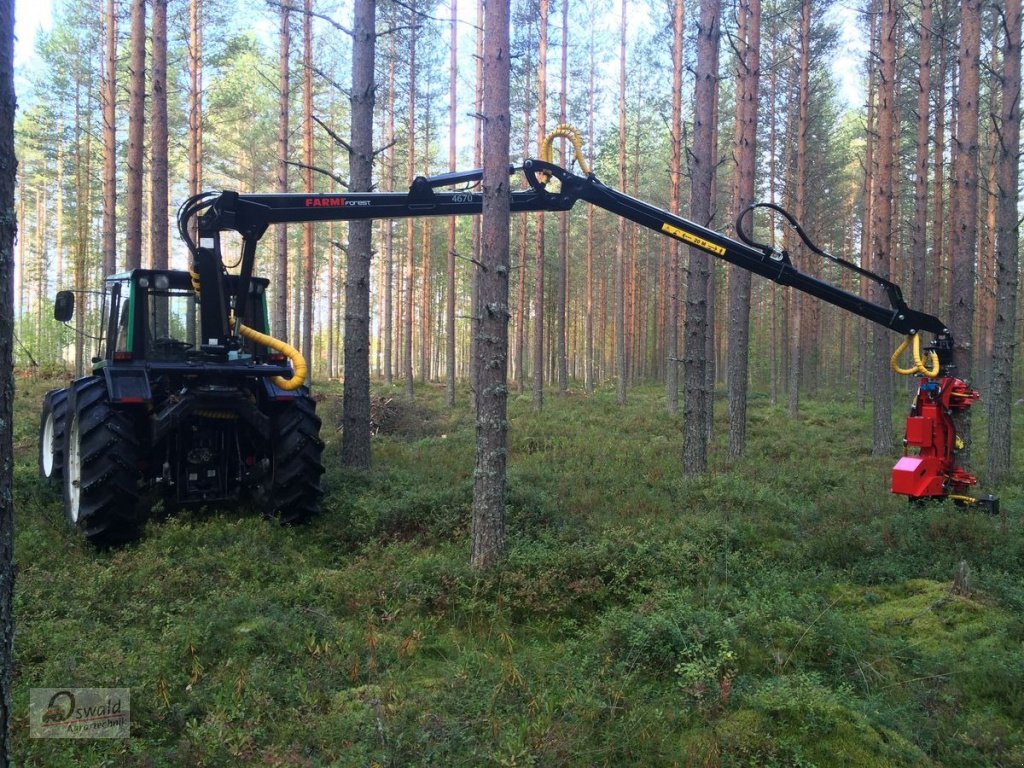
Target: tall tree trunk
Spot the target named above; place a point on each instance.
(355, 438)
(938, 183)
(1004, 337)
(620, 243)
(159, 204)
(919, 247)
(136, 128)
(8, 231)
(882, 222)
(590, 373)
(410, 247)
(563, 221)
(108, 100)
(194, 140)
(675, 128)
(389, 227)
(965, 188)
(477, 163)
(450, 296)
(800, 312)
(488, 535)
(538, 280)
(307, 147)
(697, 397)
(280, 321)
(749, 66)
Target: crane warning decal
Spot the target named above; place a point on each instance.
(692, 239)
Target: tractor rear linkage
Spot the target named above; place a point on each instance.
(932, 473)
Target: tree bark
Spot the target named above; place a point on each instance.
(800, 312)
(563, 222)
(8, 231)
(488, 534)
(538, 281)
(1004, 336)
(355, 439)
(919, 247)
(450, 296)
(620, 243)
(883, 190)
(389, 227)
(136, 129)
(697, 395)
(307, 147)
(410, 247)
(159, 203)
(749, 66)
(280, 320)
(965, 187)
(108, 99)
(675, 128)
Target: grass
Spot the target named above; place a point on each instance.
(785, 610)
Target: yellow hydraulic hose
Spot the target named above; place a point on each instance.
(298, 361)
(299, 367)
(914, 342)
(564, 131)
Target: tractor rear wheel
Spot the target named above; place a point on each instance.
(292, 494)
(101, 454)
(51, 435)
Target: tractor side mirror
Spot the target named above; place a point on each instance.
(64, 306)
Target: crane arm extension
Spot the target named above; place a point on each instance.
(553, 188)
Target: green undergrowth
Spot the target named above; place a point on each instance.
(785, 610)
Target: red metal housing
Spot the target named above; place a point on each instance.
(932, 473)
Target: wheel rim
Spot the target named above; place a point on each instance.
(47, 448)
(73, 469)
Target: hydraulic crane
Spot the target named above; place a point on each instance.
(220, 415)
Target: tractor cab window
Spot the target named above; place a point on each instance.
(169, 330)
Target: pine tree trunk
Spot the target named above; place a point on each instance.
(801, 315)
(675, 180)
(938, 183)
(8, 231)
(538, 278)
(919, 247)
(136, 128)
(620, 244)
(488, 534)
(882, 224)
(1004, 337)
(307, 147)
(450, 295)
(410, 247)
(590, 372)
(194, 140)
(697, 397)
(355, 438)
(965, 188)
(749, 66)
(389, 227)
(108, 99)
(563, 222)
(280, 320)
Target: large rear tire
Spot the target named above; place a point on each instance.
(51, 436)
(101, 454)
(293, 494)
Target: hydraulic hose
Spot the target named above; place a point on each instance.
(298, 361)
(914, 341)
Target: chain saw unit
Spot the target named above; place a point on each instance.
(931, 473)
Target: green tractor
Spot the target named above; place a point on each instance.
(170, 416)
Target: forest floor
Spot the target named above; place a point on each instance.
(786, 610)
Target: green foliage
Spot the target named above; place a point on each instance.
(783, 612)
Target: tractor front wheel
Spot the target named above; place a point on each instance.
(101, 454)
